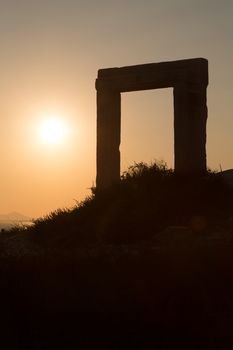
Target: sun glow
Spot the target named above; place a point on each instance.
(52, 130)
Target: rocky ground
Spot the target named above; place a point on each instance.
(22, 244)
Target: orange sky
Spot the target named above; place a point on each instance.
(50, 53)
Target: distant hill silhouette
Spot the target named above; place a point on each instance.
(14, 216)
(7, 221)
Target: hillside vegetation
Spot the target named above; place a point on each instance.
(148, 199)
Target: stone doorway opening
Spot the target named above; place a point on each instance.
(147, 114)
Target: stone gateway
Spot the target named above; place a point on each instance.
(189, 79)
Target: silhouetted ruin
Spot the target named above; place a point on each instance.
(189, 78)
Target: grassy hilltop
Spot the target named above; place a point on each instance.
(147, 200)
(145, 263)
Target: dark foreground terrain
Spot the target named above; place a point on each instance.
(134, 297)
(166, 281)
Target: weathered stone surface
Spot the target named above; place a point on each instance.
(108, 137)
(190, 116)
(189, 78)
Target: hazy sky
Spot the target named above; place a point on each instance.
(50, 51)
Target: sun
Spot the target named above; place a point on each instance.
(52, 130)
